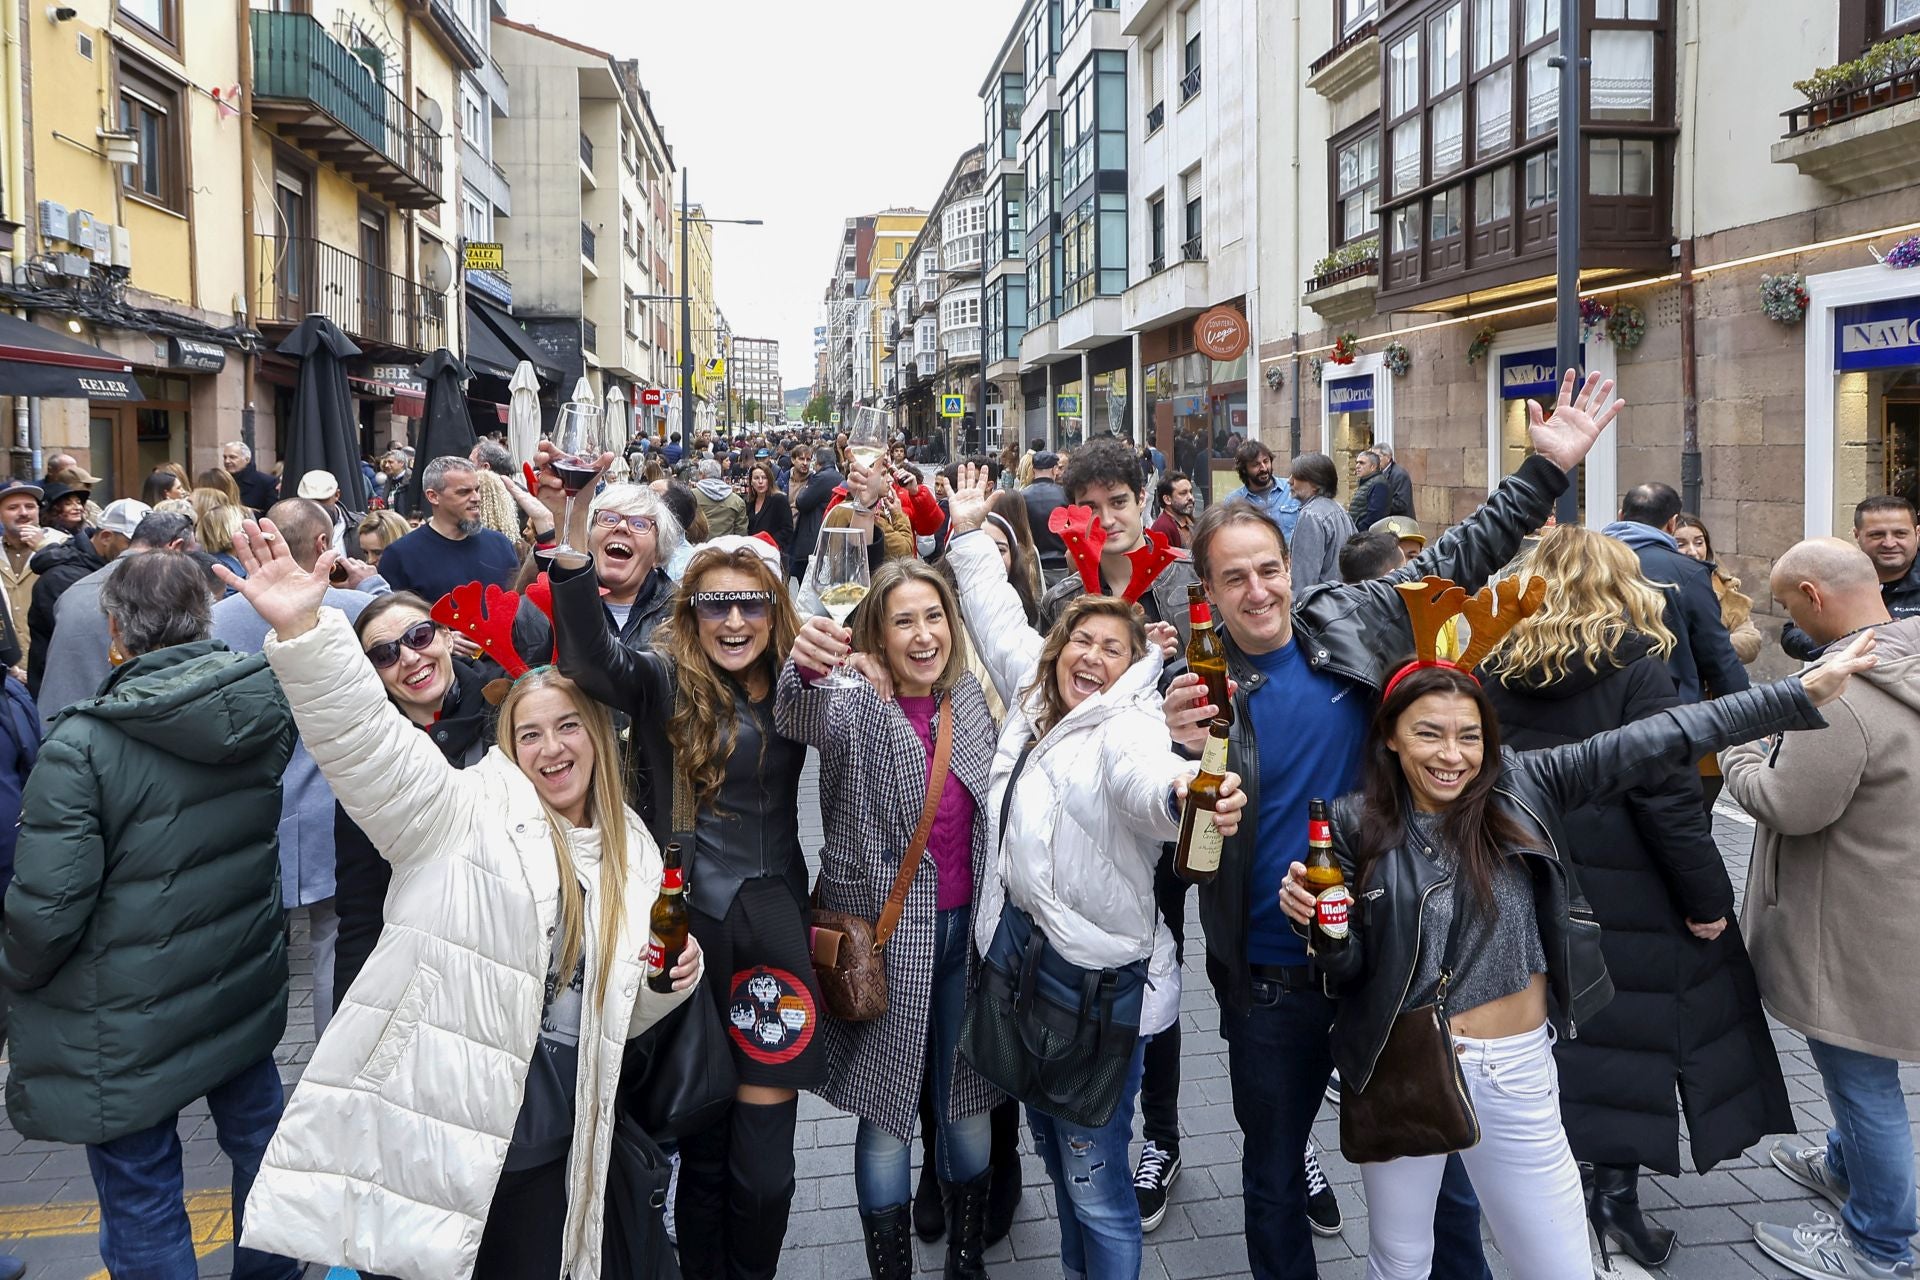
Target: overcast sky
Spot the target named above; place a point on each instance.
(800, 114)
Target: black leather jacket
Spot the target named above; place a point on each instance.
(1358, 631)
(754, 830)
(1372, 974)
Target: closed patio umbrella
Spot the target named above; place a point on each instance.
(445, 430)
(523, 412)
(618, 429)
(324, 434)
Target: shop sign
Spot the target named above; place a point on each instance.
(1877, 335)
(1221, 334)
(650, 395)
(1526, 374)
(486, 256)
(1189, 406)
(1350, 395)
(953, 406)
(1067, 406)
(403, 378)
(196, 355)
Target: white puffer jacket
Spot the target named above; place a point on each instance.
(388, 1154)
(1092, 806)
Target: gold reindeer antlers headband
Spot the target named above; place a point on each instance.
(1491, 612)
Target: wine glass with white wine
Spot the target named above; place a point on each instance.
(869, 435)
(839, 573)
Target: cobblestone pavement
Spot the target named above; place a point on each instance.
(46, 1196)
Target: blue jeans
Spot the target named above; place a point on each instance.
(882, 1169)
(1093, 1186)
(1871, 1148)
(144, 1232)
(1278, 1063)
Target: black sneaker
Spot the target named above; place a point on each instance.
(1152, 1180)
(1323, 1210)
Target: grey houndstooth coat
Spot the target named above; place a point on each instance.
(873, 785)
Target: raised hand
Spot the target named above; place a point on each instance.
(821, 645)
(967, 504)
(1828, 680)
(280, 591)
(1577, 420)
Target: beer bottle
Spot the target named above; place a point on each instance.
(1207, 653)
(1332, 901)
(1197, 857)
(667, 930)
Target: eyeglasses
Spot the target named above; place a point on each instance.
(416, 637)
(715, 606)
(614, 519)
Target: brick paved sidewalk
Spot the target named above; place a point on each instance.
(1201, 1236)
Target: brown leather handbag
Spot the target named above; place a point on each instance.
(1416, 1101)
(847, 959)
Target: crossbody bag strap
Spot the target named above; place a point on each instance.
(683, 814)
(1006, 800)
(910, 861)
(1451, 961)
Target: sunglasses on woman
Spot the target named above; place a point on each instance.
(715, 606)
(417, 637)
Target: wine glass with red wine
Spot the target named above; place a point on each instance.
(576, 437)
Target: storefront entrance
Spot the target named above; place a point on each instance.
(1863, 393)
(127, 442)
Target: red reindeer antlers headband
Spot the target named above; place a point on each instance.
(486, 617)
(1085, 536)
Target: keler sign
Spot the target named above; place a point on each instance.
(1221, 334)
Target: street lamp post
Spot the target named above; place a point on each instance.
(685, 299)
(1572, 179)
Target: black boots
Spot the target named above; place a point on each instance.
(1613, 1206)
(966, 1230)
(929, 1202)
(889, 1246)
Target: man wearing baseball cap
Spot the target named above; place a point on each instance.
(1406, 529)
(323, 488)
(22, 534)
(58, 567)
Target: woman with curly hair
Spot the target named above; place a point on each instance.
(1686, 1020)
(700, 698)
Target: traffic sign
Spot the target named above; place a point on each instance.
(953, 406)
(836, 418)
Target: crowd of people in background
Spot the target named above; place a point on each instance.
(471, 734)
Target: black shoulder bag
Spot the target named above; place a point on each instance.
(1044, 1030)
(1416, 1102)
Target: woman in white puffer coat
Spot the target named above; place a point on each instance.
(1099, 794)
(456, 1120)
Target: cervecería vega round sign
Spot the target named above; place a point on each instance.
(1221, 334)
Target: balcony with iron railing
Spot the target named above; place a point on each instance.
(299, 276)
(1194, 248)
(1156, 116)
(962, 253)
(1189, 86)
(329, 103)
(587, 242)
(586, 162)
(589, 335)
(1859, 129)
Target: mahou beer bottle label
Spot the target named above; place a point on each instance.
(1330, 910)
(656, 955)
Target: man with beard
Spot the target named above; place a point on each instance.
(1254, 462)
(1174, 497)
(451, 548)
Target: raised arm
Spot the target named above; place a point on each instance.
(607, 669)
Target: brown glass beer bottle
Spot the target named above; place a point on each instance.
(1332, 901)
(667, 929)
(1196, 858)
(1207, 653)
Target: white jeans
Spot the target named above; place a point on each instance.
(1522, 1170)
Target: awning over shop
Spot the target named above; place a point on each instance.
(39, 362)
(496, 343)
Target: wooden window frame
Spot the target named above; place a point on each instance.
(167, 36)
(1861, 27)
(165, 96)
(1336, 221)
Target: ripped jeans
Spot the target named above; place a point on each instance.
(1093, 1187)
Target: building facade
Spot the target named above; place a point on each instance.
(754, 370)
(705, 314)
(935, 328)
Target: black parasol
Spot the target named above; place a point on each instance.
(445, 431)
(325, 432)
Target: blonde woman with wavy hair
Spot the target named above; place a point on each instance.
(455, 1119)
(1686, 1028)
(721, 777)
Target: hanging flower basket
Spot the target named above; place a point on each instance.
(1346, 348)
(1626, 326)
(1397, 359)
(1903, 255)
(1481, 344)
(1594, 315)
(1784, 297)
(1318, 365)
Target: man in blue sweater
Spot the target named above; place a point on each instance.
(452, 548)
(1254, 462)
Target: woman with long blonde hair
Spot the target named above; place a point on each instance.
(501, 996)
(703, 692)
(1687, 1021)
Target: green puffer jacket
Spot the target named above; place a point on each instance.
(143, 930)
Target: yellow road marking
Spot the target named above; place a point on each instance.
(209, 1214)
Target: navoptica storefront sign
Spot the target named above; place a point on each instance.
(1350, 395)
(1877, 335)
